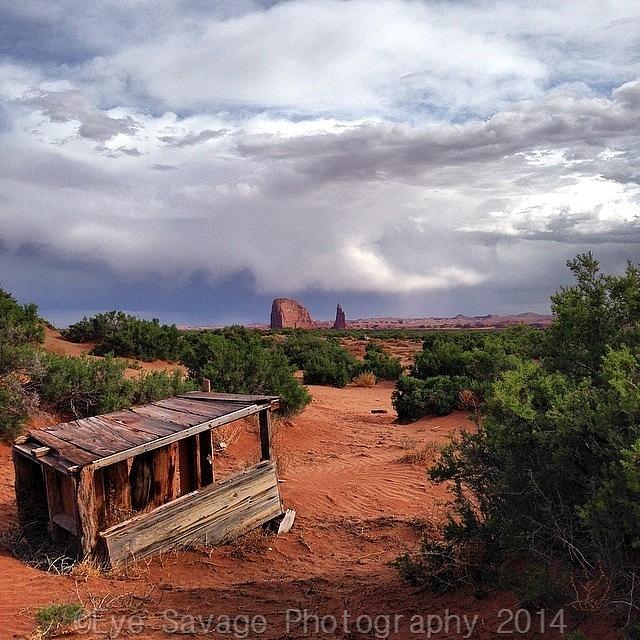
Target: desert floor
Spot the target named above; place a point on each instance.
(358, 507)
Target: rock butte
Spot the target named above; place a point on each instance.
(341, 320)
(288, 313)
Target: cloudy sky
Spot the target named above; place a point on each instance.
(192, 159)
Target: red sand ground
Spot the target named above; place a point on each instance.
(358, 508)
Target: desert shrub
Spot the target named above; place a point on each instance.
(441, 358)
(365, 379)
(238, 360)
(437, 396)
(380, 363)
(81, 387)
(55, 617)
(324, 362)
(330, 368)
(540, 589)
(299, 346)
(20, 331)
(480, 358)
(157, 385)
(553, 472)
(126, 336)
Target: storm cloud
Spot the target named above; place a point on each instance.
(406, 157)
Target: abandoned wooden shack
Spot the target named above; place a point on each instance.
(132, 483)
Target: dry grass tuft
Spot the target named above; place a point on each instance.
(255, 541)
(423, 456)
(366, 379)
(223, 437)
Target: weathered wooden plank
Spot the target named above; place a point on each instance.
(287, 521)
(183, 433)
(265, 434)
(214, 513)
(208, 410)
(80, 436)
(108, 437)
(131, 420)
(230, 397)
(129, 436)
(86, 512)
(52, 459)
(66, 521)
(117, 491)
(168, 415)
(164, 478)
(76, 454)
(54, 497)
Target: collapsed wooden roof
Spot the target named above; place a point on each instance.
(106, 439)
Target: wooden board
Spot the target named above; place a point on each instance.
(229, 397)
(131, 420)
(179, 435)
(205, 409)
(53, 459)
(168, 415)
(70, 451)
(213, 514)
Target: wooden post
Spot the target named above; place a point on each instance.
(164, 463)
(265, 434)
(88, 525)
(206, 386)
(117, 488)
(54, 499)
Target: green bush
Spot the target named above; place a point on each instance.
(157, 385)
(380, 363)
(20, 331)
(441, 358)
(553, 471)
(126, 336)
(238, 360)
(82, 387)
(436, 396)
(324, 361)
(478, 358)
(299, 346)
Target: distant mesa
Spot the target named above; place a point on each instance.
(341, 320)
(287, 313)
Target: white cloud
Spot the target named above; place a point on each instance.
(387, 147)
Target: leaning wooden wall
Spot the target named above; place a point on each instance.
(213, 514)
